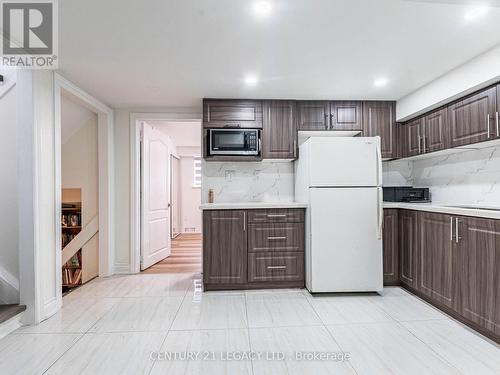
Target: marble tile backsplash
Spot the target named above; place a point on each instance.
(471, 176)
(248, 182)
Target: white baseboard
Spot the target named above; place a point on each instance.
(121, 268)
(10, 325)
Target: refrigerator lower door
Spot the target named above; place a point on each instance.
(345, 245)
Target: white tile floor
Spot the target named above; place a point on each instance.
(111, 326)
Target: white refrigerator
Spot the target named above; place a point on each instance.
(341, 181)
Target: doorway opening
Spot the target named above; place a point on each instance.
(79, 194)
(170, 196)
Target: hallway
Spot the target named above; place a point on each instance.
(117, 326)
(185, 256)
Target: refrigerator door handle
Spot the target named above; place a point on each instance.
(380, 212)
(379, 162)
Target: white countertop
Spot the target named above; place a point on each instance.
(251, 205)
(445, 208)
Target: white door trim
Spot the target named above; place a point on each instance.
(105, 123)
(135, 178)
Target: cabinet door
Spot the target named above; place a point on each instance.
(225, 113)
(436, 257)
(224, 247)
(313, 115)
(472, 119)
(413, 137)
(391, 247)
(408, 247)
(345, 115)
(436, 133)
(379, 119)
(279, 132)
(478, 272)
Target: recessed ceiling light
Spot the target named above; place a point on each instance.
(475, 13)
(262, 8)
(251, 80)
(380, 82)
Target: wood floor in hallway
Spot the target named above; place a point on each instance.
(185, 256)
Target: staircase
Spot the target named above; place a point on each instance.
(10, 318)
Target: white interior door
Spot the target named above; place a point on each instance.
(155, 224)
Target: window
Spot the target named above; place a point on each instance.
(197, 171)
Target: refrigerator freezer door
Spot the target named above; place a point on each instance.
(344, 161)
(345, 248)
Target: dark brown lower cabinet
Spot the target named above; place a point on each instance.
(391, 247)
(436, 257)
(408, 242)
(479, 273)
(224, 247)
(253, 248)
(453, 262)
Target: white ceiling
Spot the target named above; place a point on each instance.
(155, 53)
(73, 117)
(182, 134)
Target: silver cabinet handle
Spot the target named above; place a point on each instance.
(498, 126)
(451, 228)
(327, 124)
(276, 215)
(276, 267)
(488, 125)
(457, 237)
(244, 220)
(419, 143)
(276, 238)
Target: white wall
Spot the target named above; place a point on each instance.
(190, 197)
(79, 169)
(9, 251)
(475, 74)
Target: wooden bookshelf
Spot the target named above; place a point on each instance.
(71, 225)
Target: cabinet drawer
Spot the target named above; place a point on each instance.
(285, 266)
(281, 215)
(276, 237)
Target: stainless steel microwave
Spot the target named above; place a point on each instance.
(234, 141)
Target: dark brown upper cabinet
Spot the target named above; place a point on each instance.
(408, 243)
(473, 119)
(279, 133)
(225, 247)
(435, 135)
(346, 115)
(479, 282)
(313, 115)
(413, 137)
(391, 247)
(229, 113)
(379, 118)
(426, 134)
(436, 259)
